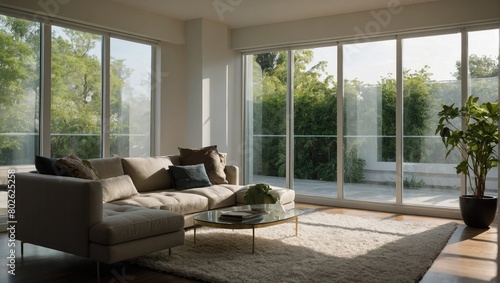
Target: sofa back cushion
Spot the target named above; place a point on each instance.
(107, 167)
(148, 173)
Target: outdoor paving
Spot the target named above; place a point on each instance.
(447, 198)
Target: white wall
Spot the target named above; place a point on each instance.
(171, 103)
(213, 104)
(359, 25)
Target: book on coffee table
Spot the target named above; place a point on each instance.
(241, 216)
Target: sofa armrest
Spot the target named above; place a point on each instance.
(232, 174)
(57, 212)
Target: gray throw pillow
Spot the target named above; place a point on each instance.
(189, 176)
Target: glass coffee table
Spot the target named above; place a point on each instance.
(271, 214)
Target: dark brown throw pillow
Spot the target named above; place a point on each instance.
(214, 161)
(73, 166)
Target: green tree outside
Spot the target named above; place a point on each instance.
(76, 98)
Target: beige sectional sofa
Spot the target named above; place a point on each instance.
(132, 210)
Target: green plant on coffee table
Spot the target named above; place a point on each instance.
(260, 194)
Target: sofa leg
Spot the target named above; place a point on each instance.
(22, 248)
(170, 251)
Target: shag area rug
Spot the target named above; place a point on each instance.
(328, 248)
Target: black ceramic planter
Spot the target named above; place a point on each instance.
(478, 213)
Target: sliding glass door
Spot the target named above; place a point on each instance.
(266, 89)
(429, 65)
(315, 121)
(387, 93)
(370, 121)
(484, 79)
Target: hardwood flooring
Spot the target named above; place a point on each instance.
(469, 256)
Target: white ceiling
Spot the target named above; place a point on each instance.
(244, 13)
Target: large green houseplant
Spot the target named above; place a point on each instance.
(477, 141)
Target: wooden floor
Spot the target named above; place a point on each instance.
(470, 256)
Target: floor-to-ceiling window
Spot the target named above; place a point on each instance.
(390, 91)
(19, 91)
(483, 75)
(266, 89)
(429, 80)
(315, 121)
(76, 93)
(130, 98)
(99, 86)
(369, 170)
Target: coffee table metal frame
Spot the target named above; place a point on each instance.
(274, 215)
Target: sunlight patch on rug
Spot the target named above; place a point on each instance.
(329, 248)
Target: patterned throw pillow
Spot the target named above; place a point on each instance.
(72, 166)
(214, 161)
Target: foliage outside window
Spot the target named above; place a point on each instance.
(76, 96)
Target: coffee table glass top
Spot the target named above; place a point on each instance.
(270, 213)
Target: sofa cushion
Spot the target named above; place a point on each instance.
(116, 188)
(148, 173)
(73, 166)
(127, 223)
(171, 200)
(218, 195)
(189, 176)
(214, 161)
(108, 167)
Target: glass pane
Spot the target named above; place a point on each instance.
(483, 75)
(130, 114)
(369, 121)
(315, 121)
(266, 78)
(429, 65)
(19, 92)
(76, 93)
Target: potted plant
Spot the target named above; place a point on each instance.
(477, 142)
(260, 194)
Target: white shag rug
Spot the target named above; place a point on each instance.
(329, 248)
